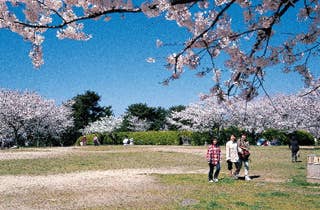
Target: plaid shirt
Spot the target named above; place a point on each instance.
(214, 154)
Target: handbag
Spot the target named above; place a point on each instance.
(245, 154)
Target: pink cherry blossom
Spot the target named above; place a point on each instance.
(252, 41)
(27, 115)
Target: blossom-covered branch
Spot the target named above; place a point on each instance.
(250, 43)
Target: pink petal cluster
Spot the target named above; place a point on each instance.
(251, 41)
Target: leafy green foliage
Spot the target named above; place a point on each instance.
(271, 134)
(86, 109)
(152, 137)
(90, 139)
(176, 137)
(304, 137)
(156, 116)
(224, 134)
(199, 138)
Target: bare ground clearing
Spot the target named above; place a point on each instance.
(90, 189)
(82, 189)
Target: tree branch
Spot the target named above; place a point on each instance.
(312, 90)
(176, 2)
(91, 16)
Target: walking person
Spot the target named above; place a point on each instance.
(96, 141)
(232, 156)
(213, 158)
(294, 146)
(244, 153)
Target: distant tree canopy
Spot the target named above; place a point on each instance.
(86, 109)
(177, 108)
(254, 38)
(153, 118)
(283, 112)
(28, 118)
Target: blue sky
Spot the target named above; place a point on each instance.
(112, 64)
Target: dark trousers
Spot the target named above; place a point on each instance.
(294, 156)
(236, 164)
(211, 169)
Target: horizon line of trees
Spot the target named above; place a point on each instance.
(29, 119)
(287, 113)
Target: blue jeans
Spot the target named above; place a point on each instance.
(211, 169)
(246, 166)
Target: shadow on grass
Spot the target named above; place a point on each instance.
(251, 177)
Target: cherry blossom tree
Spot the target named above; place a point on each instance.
(246, 33)
(254, 116)
(284, 112)
(27, 116)
(201, 116)
(136, 124)
(298, 113)
(104, 125)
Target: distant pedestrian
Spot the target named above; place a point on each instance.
(126, 141)
(294, 146)
(96, 141)
(232, 156)
(213, 158)
(83, 141)
(131, 141)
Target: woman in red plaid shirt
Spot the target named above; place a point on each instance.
(213, 158)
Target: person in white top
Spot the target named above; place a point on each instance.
(232, 156)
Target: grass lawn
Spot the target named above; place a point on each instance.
(150, 177)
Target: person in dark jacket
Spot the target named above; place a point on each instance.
(294, 146)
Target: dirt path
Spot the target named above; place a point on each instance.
(83, 190)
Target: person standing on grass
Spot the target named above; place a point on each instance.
(96, 141)
(232, 156)
(244, 153)
(294, 146)
(213, 158)
(83, 141)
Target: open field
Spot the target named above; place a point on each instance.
(150, 177)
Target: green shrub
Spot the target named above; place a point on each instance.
(304, 137)
(224, 134)
(199, 138)
(280, 135)
(147, 137)
(90, 139)
(150, 137)
(194, 138)
(112, 138)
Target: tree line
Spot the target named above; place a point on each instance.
(27, 119)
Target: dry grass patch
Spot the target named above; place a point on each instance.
(76, 190)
